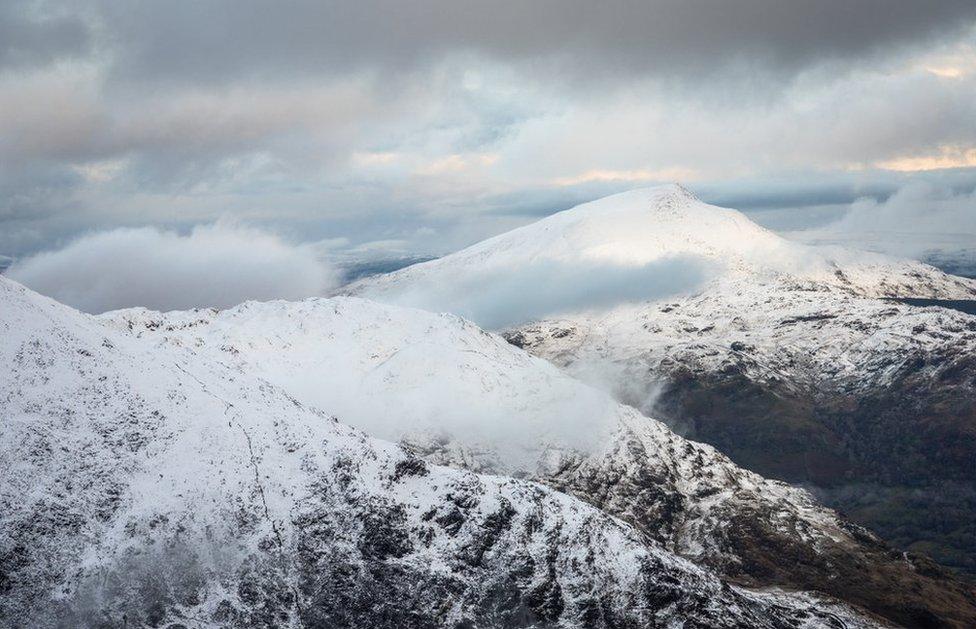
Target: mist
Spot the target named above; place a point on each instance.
(216, 265)
(509, 296)
(401, 374)
(918, 219)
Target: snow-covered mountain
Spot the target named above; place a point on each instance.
(146, 485)
(787, 357)
(641, 227)
(456, 395)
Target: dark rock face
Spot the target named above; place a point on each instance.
(759, 543)
(353, 559)
(899, 459)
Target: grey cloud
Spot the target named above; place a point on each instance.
(217, 265)
(205, 41)
(790, 194)
(539, 202)
(49, 117)
(31, 34)
(190, 110)
(32, 190)
(914, 221)
(799, 190)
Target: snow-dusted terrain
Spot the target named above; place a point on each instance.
(469, 399)
(239, 468)
(456, 395)
(790, 358)
(805, 374)
(144, 484)
(805, 340)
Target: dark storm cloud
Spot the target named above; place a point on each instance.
(30, 36)
(223, 39)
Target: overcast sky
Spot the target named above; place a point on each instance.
(386, 127)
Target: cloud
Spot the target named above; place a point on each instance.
(628, 176)
(946, 157)
(191, 41)
(919, 218)
(31, 36)
(216, 265)
(384, 121)
(64, 116)
(504, 297)
(429, 372)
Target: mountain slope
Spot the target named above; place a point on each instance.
(871, 402)
(459, 396)
(786, 357)
(644, 226)
(144, 485)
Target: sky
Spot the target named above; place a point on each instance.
(378, 129)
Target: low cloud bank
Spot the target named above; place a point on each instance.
(216, 265)
(509, 296)
(917, 220)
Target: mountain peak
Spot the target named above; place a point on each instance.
(635, 227)
(637, 242)
(663, 198)
(673, 193)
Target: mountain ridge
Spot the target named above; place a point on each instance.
(147, 485)
(685, 495)
(169, 490)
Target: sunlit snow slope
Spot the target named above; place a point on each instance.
(647, 226)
